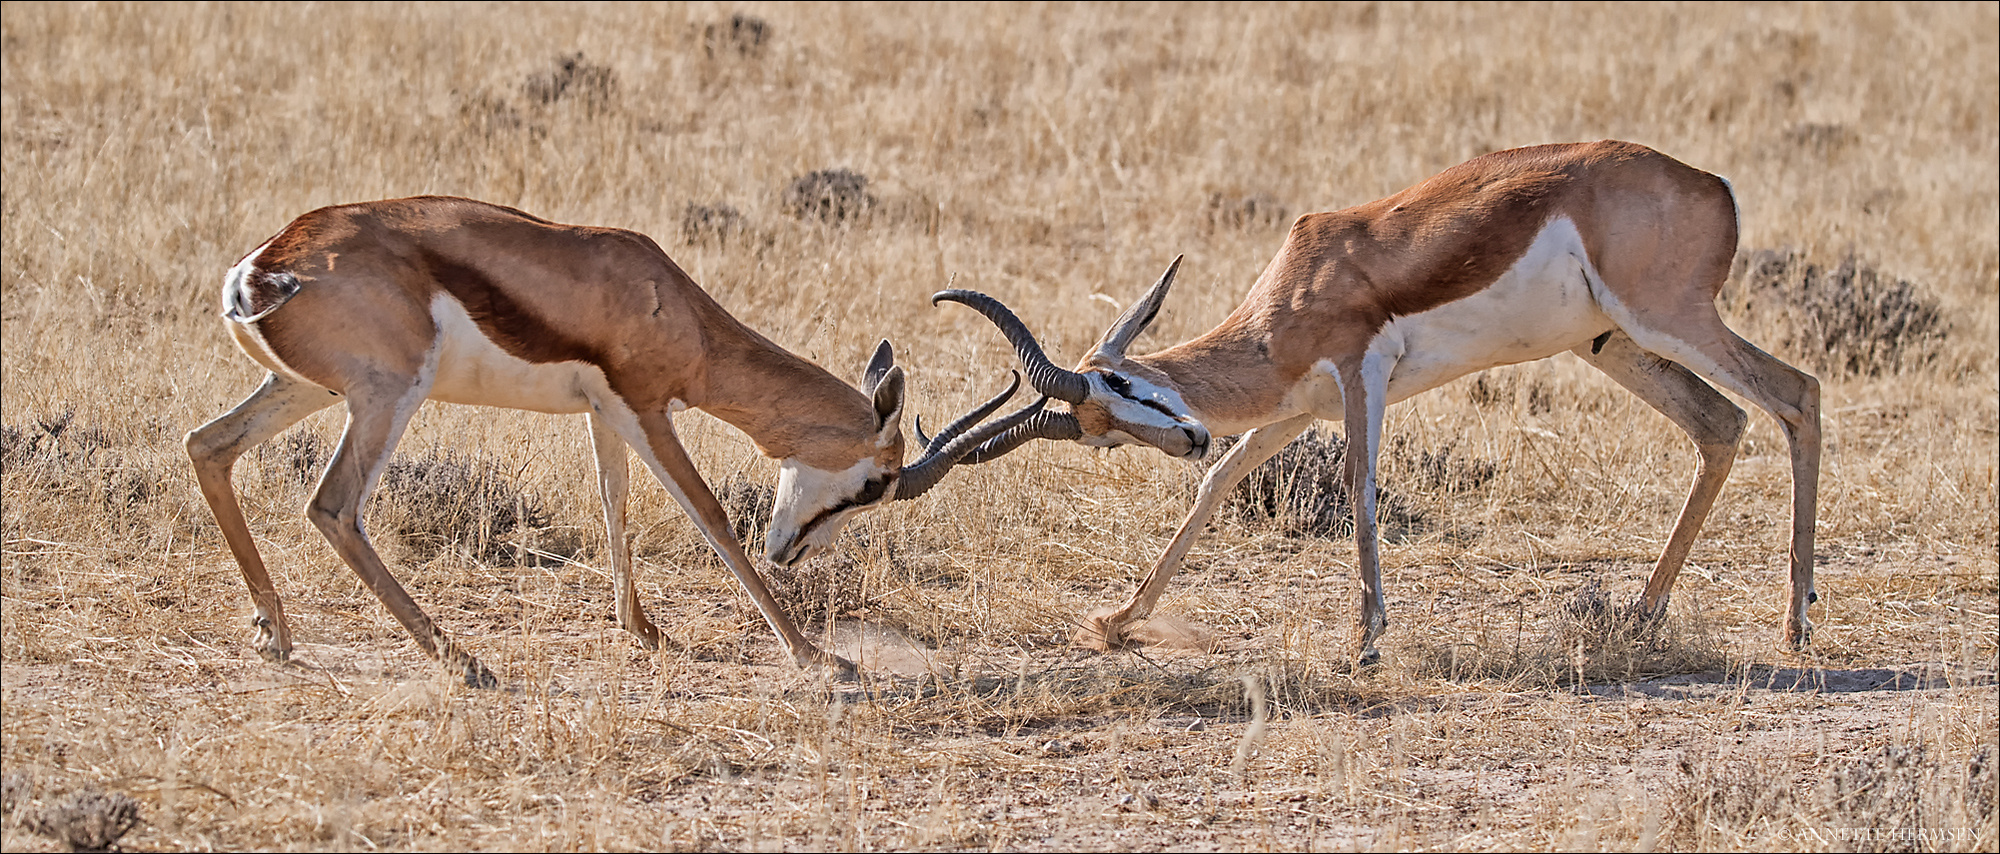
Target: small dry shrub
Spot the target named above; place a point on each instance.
(1727, 804)
(1302, 491)
(749, 504)
(1821, 138)
(829, 195)
(829, 585)
(1882, 790)
(574, 81)
(16, 789)
(1489, 390)
(741, 35)
(435, 503)
(57, 459)
(717, 224)
(86, 820)
(1844, 320)
(1252, 211)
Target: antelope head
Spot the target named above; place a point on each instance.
(1113, 399)
(813, 503)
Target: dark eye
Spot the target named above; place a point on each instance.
(871, 491)
(1119, 384)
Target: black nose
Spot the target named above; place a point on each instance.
(1197, 442)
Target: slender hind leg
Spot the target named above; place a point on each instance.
(614, 480)
(213, 447)
(377, 411)
(1711, 420)
(1792, 397)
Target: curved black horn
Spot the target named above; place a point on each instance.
(1061, 426)
(919, 477)
(1061, 384)
(968, 420)
(1138, 317)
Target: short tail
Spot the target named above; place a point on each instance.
(250, 294)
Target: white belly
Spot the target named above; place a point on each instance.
(472, 369)
(1540, 307)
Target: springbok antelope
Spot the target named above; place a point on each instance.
(1609, 250)
(388, 304)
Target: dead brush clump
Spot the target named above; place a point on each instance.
(1900, 797)
(436, 503)
(1847, 319)
(83, 820)
(742, 35)
(1717, 803)
(1303, 490)
(572, 82)
(832, 584)
(1591, 639)
(1244, 211)
(830, 196)
(717, 224)
(58, 460)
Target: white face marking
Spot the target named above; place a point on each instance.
(809, 509)
(473, 369)
(1139, 408)
(1543, 305)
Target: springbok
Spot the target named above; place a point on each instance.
(1608, 250)
(388, 304)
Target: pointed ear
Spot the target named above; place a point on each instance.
(1112, 346)
(889, 406)
(878, 366)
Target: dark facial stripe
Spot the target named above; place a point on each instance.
(516, 327)
(1118, 383)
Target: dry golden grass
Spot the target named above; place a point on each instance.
(1058, 156)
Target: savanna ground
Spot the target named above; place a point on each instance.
(1057, 156)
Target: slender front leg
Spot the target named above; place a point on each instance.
(278, 403)
(614, 480)
(663, 452)
(1363, 400)
(1104, 628)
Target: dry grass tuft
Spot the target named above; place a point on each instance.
(1590, 640)
(1303, 490)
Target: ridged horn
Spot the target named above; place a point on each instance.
(1138, 317)
(965, 422)
(1061, 426)
(918, 478)
(1052, 381)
